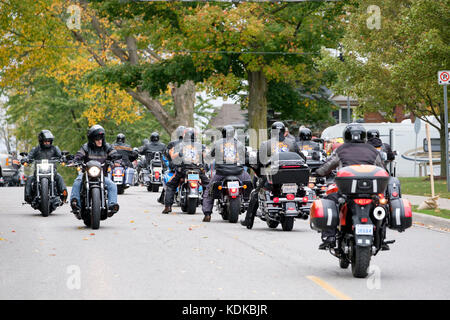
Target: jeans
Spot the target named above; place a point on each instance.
(109, 185)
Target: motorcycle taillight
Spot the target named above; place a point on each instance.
(193, 184)
(156, 175)
(363, 202)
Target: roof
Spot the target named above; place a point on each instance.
(230, 114)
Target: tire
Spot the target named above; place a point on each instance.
(272, 224)
(96, 208)
(287, 223)
(343, 263)
(224, 213)
(155, 187)
(45, 200)
(361, 261)
(233, 208)
(191, 205)
(149, 188)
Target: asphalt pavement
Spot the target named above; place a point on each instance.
(142, 254)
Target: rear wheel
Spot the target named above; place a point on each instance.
(272, 224)
(45, 203)
(361, 261)
(233, 208)
(287, 223)
(191, 205)
(155, 187)
(96, 208)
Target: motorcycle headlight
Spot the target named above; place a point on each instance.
(94, 171)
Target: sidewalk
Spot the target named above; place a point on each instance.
(426, 219)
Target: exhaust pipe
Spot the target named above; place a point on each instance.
(379, 213)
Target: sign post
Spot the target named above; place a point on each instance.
(444, 80)
(417, 124)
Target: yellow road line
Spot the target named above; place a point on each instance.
(328, 288)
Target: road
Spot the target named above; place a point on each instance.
(143, 254)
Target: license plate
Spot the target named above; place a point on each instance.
(364, 229)
(193, 177)
(290, 206)
(118, 179)
(312, 179)
(289, 188)
(233, 184)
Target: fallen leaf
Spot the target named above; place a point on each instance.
(52, 254)
(2, 239)
(170, 229)
(79, 228)
(92, 234)
(13, 231)
(85, 238)
(190, 228)
(146, 211)
(132, 221)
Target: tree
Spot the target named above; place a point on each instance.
(397, 63)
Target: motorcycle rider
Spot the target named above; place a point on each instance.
(45, 150)
(179, 133)
(128, 156)
(373, 138)
(153, 146)
(230, 158)
(96, 149)
(354, 151)
(278, 143)
(185, 154)
(304, 140)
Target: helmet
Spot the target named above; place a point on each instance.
(145, 141)
(373, 133)
(279, 127)
(304, 134)
(120, 138)
(96, 132)
(189, 135)
(180, 132)
(354, 132)
(45, 135)
(228, 132)
(154, 137)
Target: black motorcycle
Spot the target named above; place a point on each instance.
(190, 191)
(368, 203)
(46, 197)
(232, 197)
(152, 175)
(285, 195)
(94, 203)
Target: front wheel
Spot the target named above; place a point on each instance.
(361, 261)
(234, 207)
(96, 208)
(45, 203)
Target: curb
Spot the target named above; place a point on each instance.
(426, 220)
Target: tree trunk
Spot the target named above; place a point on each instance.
(184, 101)
(257, 107)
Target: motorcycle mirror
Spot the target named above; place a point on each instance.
(23, 154)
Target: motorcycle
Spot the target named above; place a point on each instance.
(232, 197)
(118, 173)
(46, 198)
(285, 196)
(152, 175)
(93, 195)
(190, 191)
(368, 203)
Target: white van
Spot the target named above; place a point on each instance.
(403, 141)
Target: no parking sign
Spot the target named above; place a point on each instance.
(444, 77)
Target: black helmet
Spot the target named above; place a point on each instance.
(304, 134)
(96, 132)
(45, 135)
(373, 133)
(189, 135)
(120, 138)
(154, 137)
(228, 132)
(180, 132)
(280, 127)
(354, 132)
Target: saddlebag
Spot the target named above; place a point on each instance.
(324, 215)
(400, 215)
